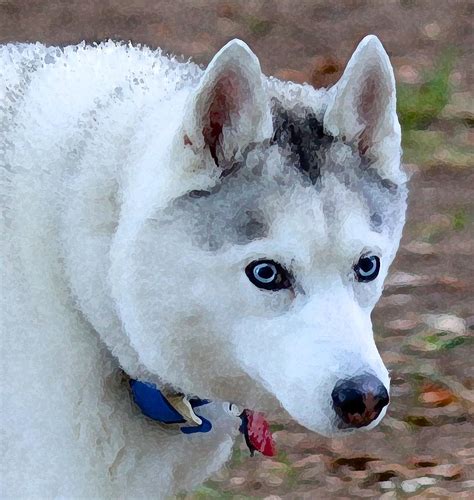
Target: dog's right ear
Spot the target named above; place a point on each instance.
(229, 109)
(363, 108)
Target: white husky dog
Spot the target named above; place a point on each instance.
(214, 234)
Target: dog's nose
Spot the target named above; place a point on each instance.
(358, 401)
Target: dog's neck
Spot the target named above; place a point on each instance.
(176, 411)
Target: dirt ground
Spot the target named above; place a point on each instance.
(424, 323)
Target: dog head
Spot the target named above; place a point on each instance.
(252, 261)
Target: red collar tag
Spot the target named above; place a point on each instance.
(256, 431)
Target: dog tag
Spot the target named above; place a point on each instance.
(183, 406)
(256, 431)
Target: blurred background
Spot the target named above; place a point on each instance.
(424, 323)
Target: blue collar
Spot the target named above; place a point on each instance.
(156, 406)
(177, 409)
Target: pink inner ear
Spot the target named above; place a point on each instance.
(224, 99)
(370, 108)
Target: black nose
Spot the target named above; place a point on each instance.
(358, 401)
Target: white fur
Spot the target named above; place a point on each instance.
(97, 276)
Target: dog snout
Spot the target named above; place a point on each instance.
(358, 401)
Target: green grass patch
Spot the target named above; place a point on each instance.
(210, 490)
(420, 105)
(419, 146)
(276, 427)
(204, 492)
(434, 147)
(432, 232)
(238, 456)
(291, 473)
(435, 342)
(282, 457)
(460, 220)
(444, 341)
(257, 26)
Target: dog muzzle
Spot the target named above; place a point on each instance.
(178, 411)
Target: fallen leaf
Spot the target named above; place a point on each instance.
(437, 397)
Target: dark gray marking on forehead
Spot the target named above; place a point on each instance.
(226, 213)
(385, 200)
(303, 134)
(240, 207)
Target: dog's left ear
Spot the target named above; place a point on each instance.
(230, 108)
(363, 108)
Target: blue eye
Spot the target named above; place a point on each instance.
(268, 275)
(367, 269)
